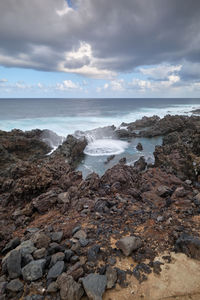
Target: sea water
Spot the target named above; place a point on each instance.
(65, 116)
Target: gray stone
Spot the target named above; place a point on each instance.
(15, 286)
(39, 253)
(93, 253)
(68, 254)
(59, 256)
(111, 275)
(69, 288)
(81, 234)
(94, 286)
(129, 244)
(83, 242)
(26, 247)
(2, 288)
(56, 270)
(26, 259)
(57, 236)
(11, 245)
(34, 270)
(53, 287)
(75, 229)
(34, 297)
(13, 263)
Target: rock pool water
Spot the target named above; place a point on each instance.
(97, 152)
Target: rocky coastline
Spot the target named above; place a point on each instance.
(130, 234)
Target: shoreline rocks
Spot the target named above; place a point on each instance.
(62, 236)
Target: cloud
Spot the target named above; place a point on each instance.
(100, 38)
(67, 85)
(3, 80)
(160, 72)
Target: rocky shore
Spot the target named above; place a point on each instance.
(131, 234)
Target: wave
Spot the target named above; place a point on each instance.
(106, 147)
(69, 124)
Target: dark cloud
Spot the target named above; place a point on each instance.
(123, 34)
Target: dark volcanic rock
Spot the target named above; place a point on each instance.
(189, 245)
(13, 263)
(139, 147)
(15, 285)
(71, 149)
(94, 286)
(34, 270)
(56, 270)
(69, 288)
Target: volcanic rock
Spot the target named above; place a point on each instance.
(69, 288)
(94, 286)
(34, 270)
(129, 244)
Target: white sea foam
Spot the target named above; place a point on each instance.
(105, 147)
(69, 124)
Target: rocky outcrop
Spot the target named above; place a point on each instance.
(71, 149)
(62, 236)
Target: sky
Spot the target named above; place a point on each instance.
(99, 48)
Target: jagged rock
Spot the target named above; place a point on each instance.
(129, 244)
(64, 198)
(56, 270)
(94, 286)
(189, 245)
(76, 271)
(139, 147)
(164, 191)
(81, 234)
(140, 164)
(15, 286)
(11, 245)
(12, 263)
(71, 149)
(39, 253)
(41, 240)
(57, 236)
(93, 253)
(59, 256)
(26, 247)
(53, 287)
(111, 275)
(34, 270)
(68, 254)
(69, 288)
(45, 201)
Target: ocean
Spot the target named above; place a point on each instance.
(65, 116)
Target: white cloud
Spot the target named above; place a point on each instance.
(81, 61)
(3, 80)
(161, 71)
(67, 85)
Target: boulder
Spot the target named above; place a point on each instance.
(34, 270)
(189, 245)
(41, 240)
(12, 262)
(69, 288)
(15, 286)
(56, 270)
(129, 244)
(94, 286)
